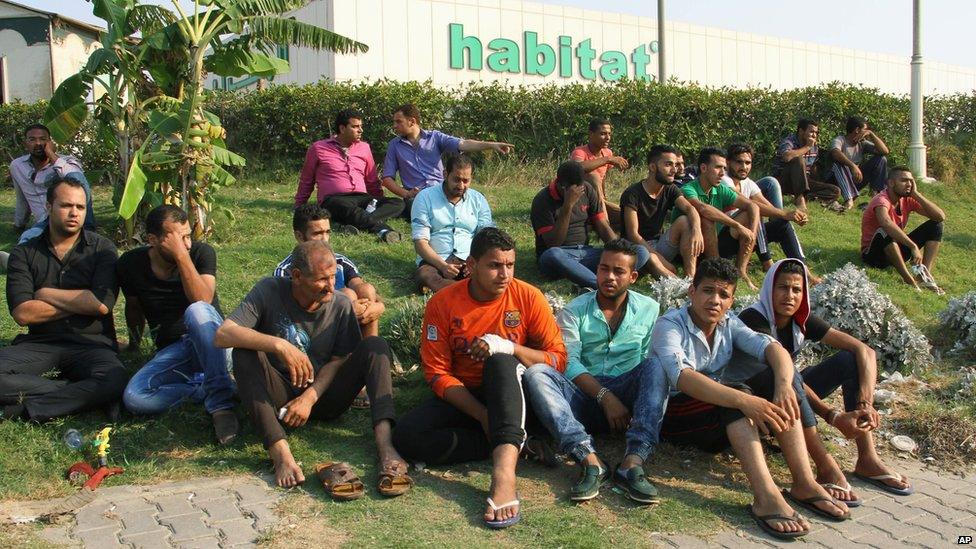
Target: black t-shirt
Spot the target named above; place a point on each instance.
(163, 301)
(816, 328)
(652, 212)
(546, 204)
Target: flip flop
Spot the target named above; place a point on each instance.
(808, 504)
(394, 480)
(879, 481)
(339, 480)
(849, 502)
(762, 522)
(499, 524)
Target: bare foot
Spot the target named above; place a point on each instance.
(778, 506)
(502, 492)
(745, 277)
(287, 472)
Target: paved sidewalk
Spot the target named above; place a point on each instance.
(198, 513)
(942, 509)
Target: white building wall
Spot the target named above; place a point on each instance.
(409, 40)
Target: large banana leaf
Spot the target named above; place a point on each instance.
(135, 187)
(297, 33)
(237, 62)
(68, 107)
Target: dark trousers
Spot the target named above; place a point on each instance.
(350, 209)
(264, 389)
(438, 433)
(89, 376)
(794, 180)
(839, 370)
(928, 231)
(774, 230)
(407, 207)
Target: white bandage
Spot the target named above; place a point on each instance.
(498, 344)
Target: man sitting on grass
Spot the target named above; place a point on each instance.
(597, 159)
(299, 354)
(783, 312)
(883, 238)
(607, 386)
(694, 345)
(478, 337)
(646, 206)
(853, 169)
(795, 166)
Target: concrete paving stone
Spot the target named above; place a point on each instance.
(685, 541)
(934, 524)
(210, 542)
(157, 539)
(59, 535)
(237, 531)
(875, 537)
(948, 515)
(100, 537)
(925, 538)
(175, 504)
(242, 545)
(213, 492)
(956, 499)
(169, 488)
(897, 511)
(254, 493)
(827, 536)
(219, 510)
(263, 515)
(97, 514)
(131, 504)
(140, 521)
(187, 527)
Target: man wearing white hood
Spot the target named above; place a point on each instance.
(783, 311)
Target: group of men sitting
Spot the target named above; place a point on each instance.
(303, 343)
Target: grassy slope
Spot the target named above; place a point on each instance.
(445, 506)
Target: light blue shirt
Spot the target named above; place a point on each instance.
(449, 228)
(419, 166)
(677, 343)
(590, 347)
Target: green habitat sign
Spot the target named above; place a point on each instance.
(534, 58)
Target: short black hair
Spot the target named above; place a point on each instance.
(569, 173)
(307, 213)
(900, 168)
(622, 246)
(716, 268)
(792, 267)
(57, 182)
(409, 110)
(301, 255)
(855, 122)
(596, 122)
(37, 127)
(805, 123)
(344, 116)
(488, 239)
(456, 161)
(161, 214)
(735, 149)
(706, 154)
(657, 151)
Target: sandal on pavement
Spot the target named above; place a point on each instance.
(846, 489)
(499, 524)
(763, 522)
(810, 505)
(394, 480)
(879, 481)
(635, 485)
(339, 480)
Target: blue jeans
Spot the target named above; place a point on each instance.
(839, 370)
(771, 190)
(568, 413)
(578, 263)
(38, 227)
(192, 367)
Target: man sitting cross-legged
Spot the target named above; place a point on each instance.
(478, 337)
(562, 214)
(298, 354)
(883, 238)
(172, 284)
(779, 228)
(312, 222)
(783, 312)
(712, 200)
(694, 346)
(608, 384)
(645, 207)
(444, 220)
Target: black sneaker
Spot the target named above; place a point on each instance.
(226, 426)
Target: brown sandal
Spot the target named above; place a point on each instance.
(339, 480)
(394, 480)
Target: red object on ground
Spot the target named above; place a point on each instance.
(95, 477)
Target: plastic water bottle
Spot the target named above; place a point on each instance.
(371, 207)
(73, 438)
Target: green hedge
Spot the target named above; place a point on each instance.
(276, 125)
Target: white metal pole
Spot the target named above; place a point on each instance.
(662, 73)
(916, 147)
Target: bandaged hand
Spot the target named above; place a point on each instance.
(498, 344)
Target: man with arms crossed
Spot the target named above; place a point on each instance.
(693, 345)
(608, 385)
(298, 354)
(444, 220)
(479, 335)
(645, 207)
(172, 285)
